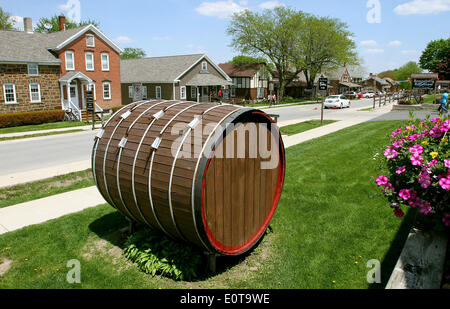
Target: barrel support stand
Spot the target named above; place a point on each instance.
(211, 262)
(132, 226)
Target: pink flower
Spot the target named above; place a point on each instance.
(416, 160)
(425, 208)
(446, 220)
(397, 144)
(432, 163)
(389, 186)
(390, 153)
(444, 182)
(399, 213)
(410, 128)
(401, 170)
(424, 179)
(416, 149)
(436, 132)
(382, 180)
(396, 132)
(445, 126)
(447, 163)
(405, 194)
(436, 120)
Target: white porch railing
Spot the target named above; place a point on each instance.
(75, 110)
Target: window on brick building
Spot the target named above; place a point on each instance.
(33, 69)
(107, 91)
(9, 91)
(89, 62)
(105, 62)
(70, 61)
(90, 40)
(35, 93)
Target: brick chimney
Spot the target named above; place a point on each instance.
(62, 23)
(28, 25)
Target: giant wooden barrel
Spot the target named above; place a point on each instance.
(207, 174)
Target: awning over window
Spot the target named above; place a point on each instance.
(70, 76)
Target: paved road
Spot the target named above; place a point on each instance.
(40, 153)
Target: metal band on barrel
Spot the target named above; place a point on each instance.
(120, 156)
(149, 186)
(106, 155)
(175, 161)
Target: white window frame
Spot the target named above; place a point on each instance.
(193, 92)
(183, 93)
(73, 61)
(105, 62)
(14, 93)
(86, 60)
(204, 66)
(144, 92)
(87, 40)
(131, 92)
(32, 65)
(109, 90)
(156, 92)
(39, 93)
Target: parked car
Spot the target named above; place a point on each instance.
(368, 94)
(350, 95)
(337, 101)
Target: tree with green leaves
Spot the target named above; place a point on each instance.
(132, 53)
(247, 60)
(293, 41)
(5, 20)
(405, 71)
(325, 44)
(436, 52)
(272, 34)
(49, 25)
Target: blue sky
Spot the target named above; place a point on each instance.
(388, 33)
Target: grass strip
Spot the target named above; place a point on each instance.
(44, 188)
(11, 138)
(303, 126)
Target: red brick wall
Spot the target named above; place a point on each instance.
(113, 75)
(18, 74)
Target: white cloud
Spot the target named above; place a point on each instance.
(221, 9)
(72, 9)
(17, 21)
(395, 43)
(161, 38)
(369, 43)
(123, 39)
(423, 7)
(270, 4)
(375, 50)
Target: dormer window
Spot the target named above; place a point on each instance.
(33, 69)
(204, 66)
(90, 40)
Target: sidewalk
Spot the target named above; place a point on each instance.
(39, 211)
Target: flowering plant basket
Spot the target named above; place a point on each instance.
(417, 171)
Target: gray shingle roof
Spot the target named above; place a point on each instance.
(19, 46)
(207, 80)
(156, 69)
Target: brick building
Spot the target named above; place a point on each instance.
(53, 71)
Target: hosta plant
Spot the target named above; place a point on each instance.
(416, 168)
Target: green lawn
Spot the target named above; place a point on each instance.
(11, 138)
(43, 188)
(330, 221)
(45, 126)
(303, 126)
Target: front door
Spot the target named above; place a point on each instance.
(205, 94)
(74, 95)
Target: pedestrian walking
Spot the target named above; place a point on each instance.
(274, 98)
(444, 104)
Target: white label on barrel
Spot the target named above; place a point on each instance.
(125, 115)
(156, 143)
(123, 142)
(158, 115)
(100, 134)
(194, 123)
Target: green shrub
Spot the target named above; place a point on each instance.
(115, 109)
(156, 254)
(30, 118)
